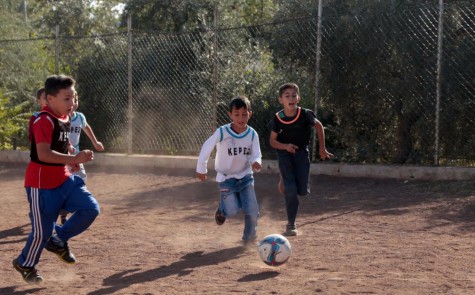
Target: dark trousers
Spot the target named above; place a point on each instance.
(295, 171)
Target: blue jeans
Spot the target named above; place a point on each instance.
(45, 205)
(295, 171)
(236, 194)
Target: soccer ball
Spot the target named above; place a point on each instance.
(274, 249)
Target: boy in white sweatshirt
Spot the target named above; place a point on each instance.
(238, 154)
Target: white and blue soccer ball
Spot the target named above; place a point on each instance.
(274, 249)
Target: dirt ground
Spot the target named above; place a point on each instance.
(156, 235)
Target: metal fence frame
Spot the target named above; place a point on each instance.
(318, 57)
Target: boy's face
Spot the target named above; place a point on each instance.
(62, 103)
(75, 103)
(42, 100)
(289, 99)
(240, 117)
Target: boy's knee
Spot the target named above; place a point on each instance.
(96, 210)
(231, 212)
(252, 211)
(290, 192)
(254, 216)
(92, 212)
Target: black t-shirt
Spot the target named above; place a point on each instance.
(295, 130)
(60, 139)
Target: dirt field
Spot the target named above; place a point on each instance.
(156, 235)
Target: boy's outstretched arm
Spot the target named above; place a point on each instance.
(291, 148)
(97, 144)
(46, 154)
(256, 155)
(206, 150)
(324, 154)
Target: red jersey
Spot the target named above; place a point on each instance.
(30, 125)
(55, 131)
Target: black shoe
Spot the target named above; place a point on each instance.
(219, 217)
(61, 249)
(291, 230)
(29, 274)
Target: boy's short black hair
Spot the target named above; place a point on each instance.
(55, 83)
(39, 93)
(240, 102)
(287, 86)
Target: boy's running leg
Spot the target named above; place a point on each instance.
(250, 207)
(228, 205)
(302, 172)
(85, 207)
(287, 171)
(63, 214)
(280, 186)
(44, 208)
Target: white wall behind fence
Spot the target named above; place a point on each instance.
(403, 172)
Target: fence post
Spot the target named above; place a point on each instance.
(25, 10)
(214, 74)
(440, 35)
(317, 77)
(129, 86)
(56, 50)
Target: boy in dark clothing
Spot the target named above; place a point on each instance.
(290, 136)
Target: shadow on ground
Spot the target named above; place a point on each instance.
(183, 267)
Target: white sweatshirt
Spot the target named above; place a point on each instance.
(235, 153)
(78, 123)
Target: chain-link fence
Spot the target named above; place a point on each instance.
(395, 84)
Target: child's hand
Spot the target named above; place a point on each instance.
(201, 177)
(99, 146)
(74, 168)
(324, 154)
(291, 148)
(71, 150)
(256, 167)
(84, 156)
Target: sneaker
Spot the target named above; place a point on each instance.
(249, 242)
(61, 249)
(291, 230)
(219, 217)
(29, 274)
(281, 185)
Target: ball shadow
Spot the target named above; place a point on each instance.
(259, 276)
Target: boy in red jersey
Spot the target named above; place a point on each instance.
(49, 185)
(290, 136)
